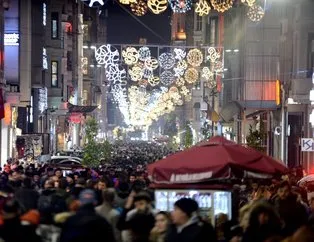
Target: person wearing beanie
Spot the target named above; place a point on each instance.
(187, 225)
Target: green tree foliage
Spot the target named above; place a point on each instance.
(188, 136)
(256, 138)
(94, 152)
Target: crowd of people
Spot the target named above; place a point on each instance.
(47, 204)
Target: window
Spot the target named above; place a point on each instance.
(54, 25)
(44, 14)
(199, 23)
(54, 73)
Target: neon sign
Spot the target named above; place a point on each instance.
(11, 39)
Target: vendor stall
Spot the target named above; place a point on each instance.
(205, 171)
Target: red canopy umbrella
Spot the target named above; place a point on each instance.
(217, 158)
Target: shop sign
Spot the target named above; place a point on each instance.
(11, 39)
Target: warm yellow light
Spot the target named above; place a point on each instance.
(202, 8)
(278, 92)
(157, 6)
(222, 5)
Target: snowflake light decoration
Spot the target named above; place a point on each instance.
(180, 6)
(178, 71)
(139, 8)
(157, 6)
(195, 57)
(167, 61)
(191, 75)
(136, 73)
(144, 53)
(153, 81)
(188, 97)
(151, 63)
(213, 54)
(207, 73)
(130, 56)
(114, 72)
(256, 13)
(180, 82)
(167, 78)
(202, 8)
(180, 54)
(107, 55)
(222, 5)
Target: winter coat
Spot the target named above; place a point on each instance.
(86, 225)
(27, 198)
(292, 213)
(197, 231)
(112, 216)
(14, 231)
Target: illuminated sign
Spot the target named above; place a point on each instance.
(44, 14)
(11, 39)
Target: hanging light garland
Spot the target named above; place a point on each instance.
(153, 81)
(250, 3)
(207, 74)
(213, 54)
(222, 5)
(157, 6)
(167, 61)
(191, 75)
(127, 2)
(151, 63)
(167, 78)
(255, 13)
(195, 57)
(180, 6)
(139, 8)
(144, 53)
(180, 82)
(180, 54)
(136, 73)
(130, 56)
(202, 8)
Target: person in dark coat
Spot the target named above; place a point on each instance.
(12, 229)
(86, 225)
(26, 196)
(264, 223)
(187, 226)
(290, 210)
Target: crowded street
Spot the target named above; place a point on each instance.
(156, 121)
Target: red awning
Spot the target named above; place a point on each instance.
(217, 158)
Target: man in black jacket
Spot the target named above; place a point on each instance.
(187, 226)
(86, 225)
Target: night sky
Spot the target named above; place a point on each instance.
(125, 29)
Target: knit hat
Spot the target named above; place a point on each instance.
(87, 196)
(187, 205)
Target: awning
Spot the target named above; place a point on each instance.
(80, 109)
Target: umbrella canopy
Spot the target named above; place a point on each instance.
(217, 158)
(306, 179)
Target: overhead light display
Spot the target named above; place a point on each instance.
(222, 5)
(180, 6)
(255, 13)
(93, 3)
(157, 6)
(139, 8)
(202, 8)
(146, 86)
